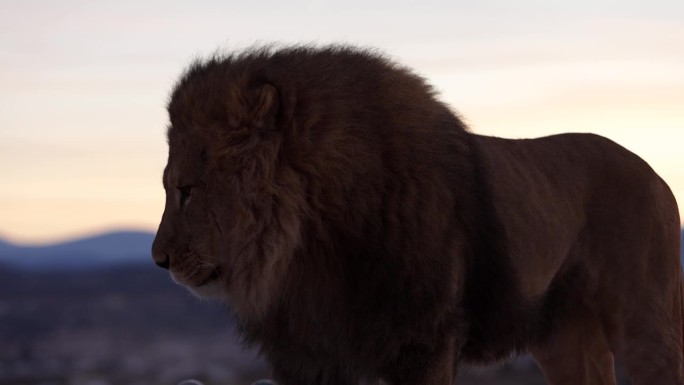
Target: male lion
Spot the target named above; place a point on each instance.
(360, 232)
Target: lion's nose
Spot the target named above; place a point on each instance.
(161, 258)
(163, 263)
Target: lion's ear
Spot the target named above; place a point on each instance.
(264, 106)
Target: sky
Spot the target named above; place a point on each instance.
(84, 85)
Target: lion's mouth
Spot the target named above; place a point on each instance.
(197, 280)
(209, 287)
(214, 276)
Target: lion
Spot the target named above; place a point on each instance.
(361, 233)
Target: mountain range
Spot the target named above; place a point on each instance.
(113, 248)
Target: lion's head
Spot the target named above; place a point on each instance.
(230, 219)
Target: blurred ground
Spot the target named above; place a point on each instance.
(131, 325)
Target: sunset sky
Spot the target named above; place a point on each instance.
(83, 85)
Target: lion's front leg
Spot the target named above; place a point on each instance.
(423, 365)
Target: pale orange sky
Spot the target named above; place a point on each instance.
(83, 85)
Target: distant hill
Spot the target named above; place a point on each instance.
(3, 244)
(121, 247)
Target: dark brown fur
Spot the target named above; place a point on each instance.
(360, 232)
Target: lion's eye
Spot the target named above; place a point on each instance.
(185, 192)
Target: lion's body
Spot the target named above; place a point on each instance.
(361, 232)
(606, 226)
